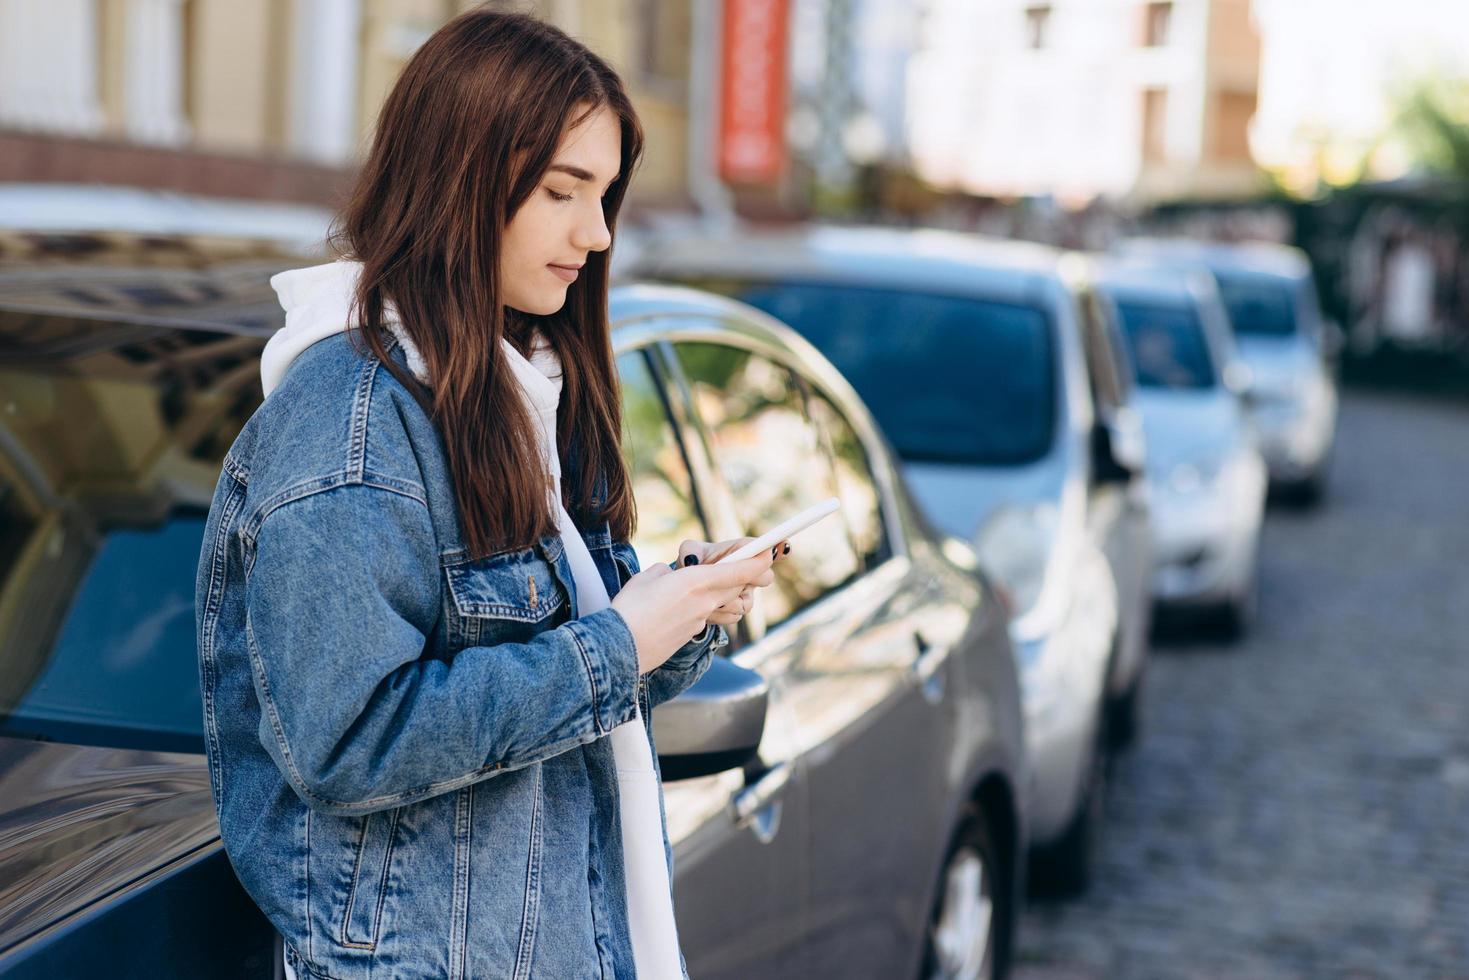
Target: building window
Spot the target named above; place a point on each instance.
(666, 26)
(1155, 125)
(1157, 23)
(1037, 26)
(1232, 114)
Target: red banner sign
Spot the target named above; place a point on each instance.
(752, 90)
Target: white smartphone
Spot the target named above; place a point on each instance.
(786, 529)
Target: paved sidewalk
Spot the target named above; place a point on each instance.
(1298, 806)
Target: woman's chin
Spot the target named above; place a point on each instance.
(541, 305)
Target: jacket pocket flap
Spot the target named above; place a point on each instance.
(516, 585)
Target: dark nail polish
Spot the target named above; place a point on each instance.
(690, 560)
(774, 551)
(787, 548)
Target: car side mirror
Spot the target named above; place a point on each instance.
(715, 725)
(1118, 449)
(1239, 379)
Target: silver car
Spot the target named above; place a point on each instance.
(1006, 408)
(843, 791)
(1205, 473)
(1288, 345)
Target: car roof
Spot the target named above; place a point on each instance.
(83, 300)
(1249, 257)
(631, 302)
(1155, 282)
(896, 257)
(72, 295)
(87, 208)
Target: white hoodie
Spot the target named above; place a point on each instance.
(318, 302)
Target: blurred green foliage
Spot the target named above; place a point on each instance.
(1433, 119)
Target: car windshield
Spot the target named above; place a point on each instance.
(121, 669)
(950, 379)
(1167, 344)
(109, 456)
(1259, 305)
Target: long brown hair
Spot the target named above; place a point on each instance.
(463, 140)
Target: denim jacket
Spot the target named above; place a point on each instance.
(406, 743)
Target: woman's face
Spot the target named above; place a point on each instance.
(548, 239)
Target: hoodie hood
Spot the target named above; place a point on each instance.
(318, 302)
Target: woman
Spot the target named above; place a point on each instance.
(427, 654)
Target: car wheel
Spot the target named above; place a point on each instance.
(1313, 487)
(970, 920)
(1124, 714)
(1302, 493)
(1063, 868)
(1237, 614)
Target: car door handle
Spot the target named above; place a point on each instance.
(931, 657)
(758, 805)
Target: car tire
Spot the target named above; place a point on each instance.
(1312, 490)
(1063, 868)
(1237, 615)
(968, 933)
(1125, 715)
(1304, 493)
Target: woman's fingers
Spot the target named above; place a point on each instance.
(720, 549)
(708, 553)
(729, 576)
(698, 549)
(729, 587)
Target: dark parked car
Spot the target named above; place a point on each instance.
(844, 791)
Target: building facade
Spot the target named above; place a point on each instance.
(276, 99)
(1139, 100)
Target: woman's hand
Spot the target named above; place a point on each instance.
(663, 607)
(707, 553)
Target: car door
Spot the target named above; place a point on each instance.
(864, 667)
(1118, 509)
(738, 836)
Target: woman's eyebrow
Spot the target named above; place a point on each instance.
(577, 172)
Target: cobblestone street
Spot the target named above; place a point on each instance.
(1298, 805)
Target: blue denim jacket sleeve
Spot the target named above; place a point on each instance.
(343, 591)
(679, 672)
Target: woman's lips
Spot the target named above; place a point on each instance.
(566, 272)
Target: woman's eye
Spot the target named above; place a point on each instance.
(558, 197)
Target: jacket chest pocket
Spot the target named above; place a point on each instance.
(505, 598)
(625, 560)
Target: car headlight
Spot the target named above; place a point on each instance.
(1015, 545)
(1194, 476)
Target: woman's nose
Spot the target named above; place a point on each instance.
(592, 234)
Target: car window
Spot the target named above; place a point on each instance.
(986, 368)
(1101, 365)
(108, 460)
(1167, 344)
(1259, 305)
(668, 512)
(861, 500)
(772, 460)
(121, 668)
